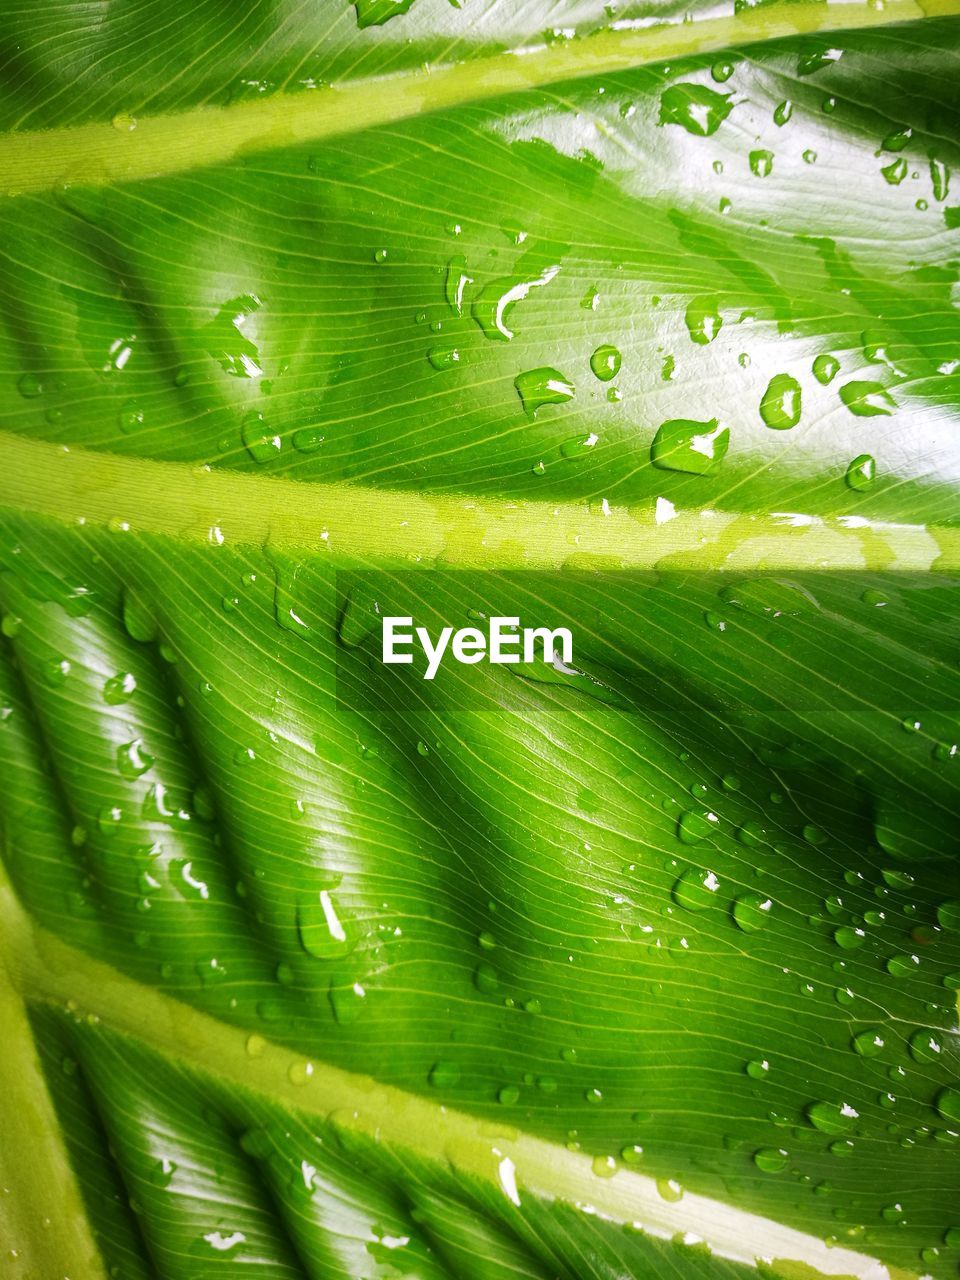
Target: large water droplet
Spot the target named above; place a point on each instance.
(825, 368)
(226, 341)
(542, 386)
(867, 399)
(780, 406)
(695, 107)
(259, 441)
(703, 320)
(771, 1159)
(831, 1117)
(694, 889)
(751, 911)
(491, 306)
(683, 444)
(605, 363)
(861, 472)
(325, 932)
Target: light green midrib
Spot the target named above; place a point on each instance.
(350, 523)
(48, 970)
(44, 1230)
(98, 153)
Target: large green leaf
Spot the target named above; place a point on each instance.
(638, 321)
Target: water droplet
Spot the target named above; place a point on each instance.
(693, 826)
(669, 1189)
(161, 1173)
(579, 445)
(861, 472)
(940, 177)
(132, 760)
(119, 688)
(445, 357)
(324, 932)
(261, 444)
(849, 938)
(123, 122)
(751, 911)
(751, 834)
(868, 1043)
(346, 1001)
(300, 1073)
(831, 1117)
(771, 1159)
(491, 306)
(761, 163)
(605, 363)
(703, 321)
(867, 399)
(308, 439)
(456, 283)
(947, 1103)
(825, 368)
(721, 71)
(695, 107)
(594, 1097)
(485, 978)
(130, 417)
(780, 406)
(603, 1166)
(758, 1069)
(694, 889)
(444, 1075)
(782, 112)
(56, 671)
(925, 1046)
(225, 340)
(897, 140)
(683, 444)
(29, 386)
(948, 915)
(542, 386)
(896, 172)
(809, 63)
(903, 966)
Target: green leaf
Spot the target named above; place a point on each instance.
(639, 322)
